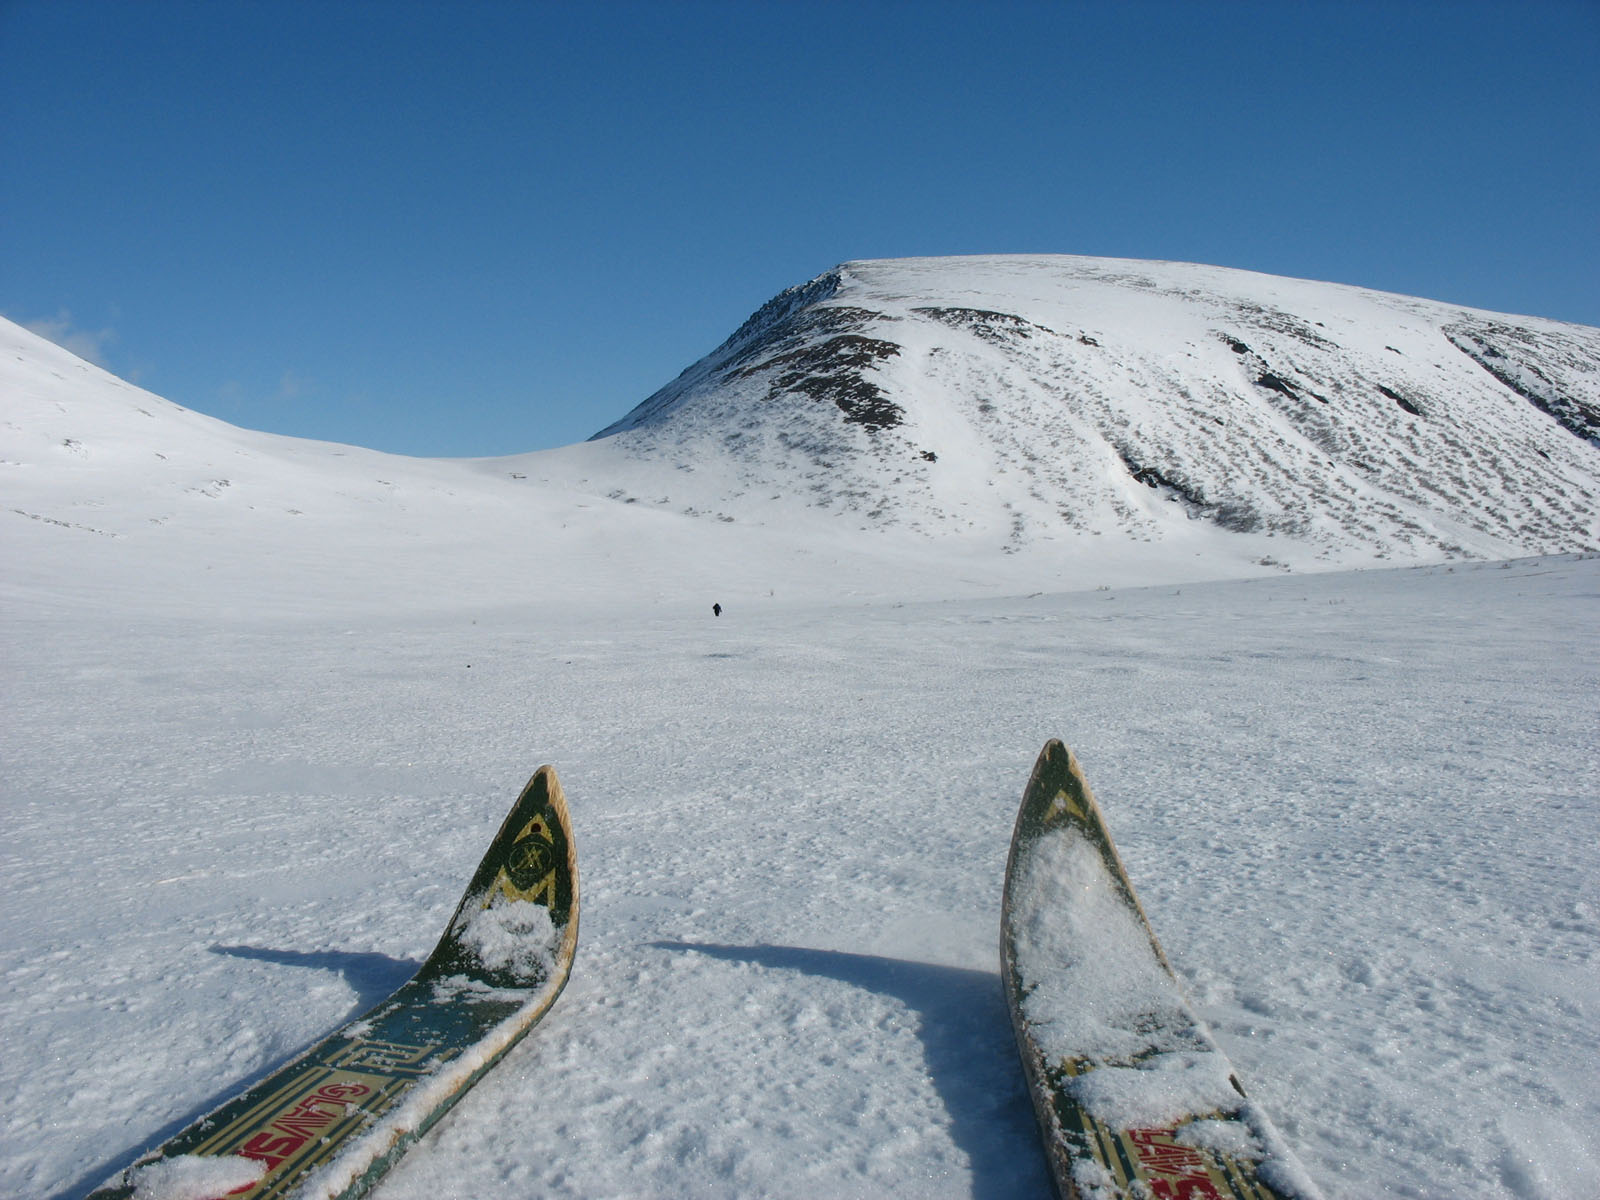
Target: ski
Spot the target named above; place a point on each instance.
(330, 1122)
(1133, 1098)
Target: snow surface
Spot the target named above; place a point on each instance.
(188, 1177)
(1094, 988)
(1360, 809)
(1028, 402)
(265, 702)
(513, 935)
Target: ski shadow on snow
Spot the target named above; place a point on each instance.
(970, 1051)
(373, 977)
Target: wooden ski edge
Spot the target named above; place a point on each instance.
(1033, 1067)
(1057, 769)
(542, 791)
(392, 1134)
(369, 1155)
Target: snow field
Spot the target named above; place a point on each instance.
(1360, 810)
(263, 703)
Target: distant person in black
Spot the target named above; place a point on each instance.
(716, 610)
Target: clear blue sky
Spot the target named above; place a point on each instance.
(480, 228)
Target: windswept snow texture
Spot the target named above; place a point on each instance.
(264, 702)
(1033, 400)
(1361, 810)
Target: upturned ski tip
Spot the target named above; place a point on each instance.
(1134, 1099)
(1058, 795)
(329, 1123)
(529, 874)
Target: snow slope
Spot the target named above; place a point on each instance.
(1032, 400)
(114, 496)
(264, 701)
(117, 496)
(995, 424)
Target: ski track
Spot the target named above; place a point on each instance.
(1361, 810)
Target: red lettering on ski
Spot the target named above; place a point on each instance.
(289, 1131)
(1185, 1189)
(1181, 1170)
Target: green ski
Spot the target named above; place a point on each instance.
(332, 1121)
(1134, 1100)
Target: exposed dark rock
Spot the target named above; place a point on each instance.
(819, 352)
(832, 371)
(1274, 383)
(1235, 515)
(1408, 405)
(798, 329)
(992, 327)
(788, 316)
(761, 323)
(1514, 367)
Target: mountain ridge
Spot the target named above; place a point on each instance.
(1352, 420)
(947, 426)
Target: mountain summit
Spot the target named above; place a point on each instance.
(1032, 400)
(935, 427)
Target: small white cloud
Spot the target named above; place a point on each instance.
(87, 344)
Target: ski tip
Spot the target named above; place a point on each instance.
(501, 964)
(1084, 996)
(517, 923)
(1056, 791)
(1057, 796)
(534, 856)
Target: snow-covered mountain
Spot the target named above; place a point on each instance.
(1036, 399)
(263, 701)
(116, 496)
(982, 424)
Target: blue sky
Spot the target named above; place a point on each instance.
(483, 228)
